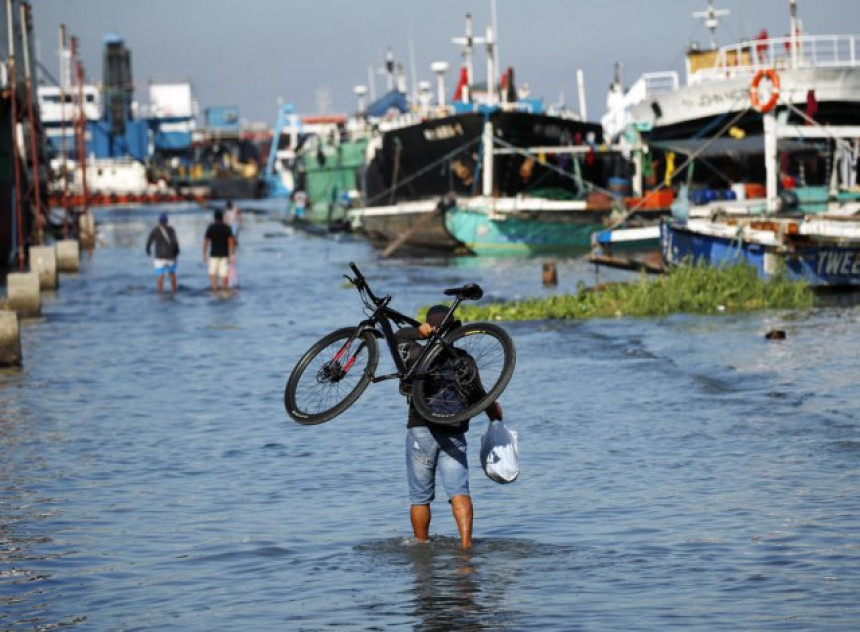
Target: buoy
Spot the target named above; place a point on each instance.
(775, 334)
(755, 100)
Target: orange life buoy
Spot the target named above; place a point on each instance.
(755, 101)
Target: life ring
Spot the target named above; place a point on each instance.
(768, 105)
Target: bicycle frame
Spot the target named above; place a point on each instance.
(379, 324)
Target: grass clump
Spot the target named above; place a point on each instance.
(699, 289)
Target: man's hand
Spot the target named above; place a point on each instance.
(494, 411)
(425, 329)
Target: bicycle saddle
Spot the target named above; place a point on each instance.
(469, 292)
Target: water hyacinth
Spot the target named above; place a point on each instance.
(699, 289)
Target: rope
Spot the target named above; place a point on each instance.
(618, 222)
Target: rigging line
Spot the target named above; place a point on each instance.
(421, 172)
(551, 167)
(839, 141)
(618, 222)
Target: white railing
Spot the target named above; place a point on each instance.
(812, 51)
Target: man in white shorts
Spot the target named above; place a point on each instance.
(219, 247)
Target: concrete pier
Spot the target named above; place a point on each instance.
(23, 294)
(43, 260)
(10, 339)
(68, 255)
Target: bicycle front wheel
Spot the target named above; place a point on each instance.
(331, 376)
(462, 377)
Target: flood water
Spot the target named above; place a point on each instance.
(679, 472)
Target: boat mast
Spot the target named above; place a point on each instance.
(468, 42)
(795, 28)
(491, 66)
(712, 16)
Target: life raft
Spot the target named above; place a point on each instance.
(755, 100)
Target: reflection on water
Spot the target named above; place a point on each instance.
(676, 472)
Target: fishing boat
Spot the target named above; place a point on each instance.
(818, 74)
(316, 159)
(822, 250)
(494, 172)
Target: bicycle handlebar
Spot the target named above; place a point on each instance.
(361, 283)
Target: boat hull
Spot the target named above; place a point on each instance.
(820, 261)
(383, 225)
(486, 234)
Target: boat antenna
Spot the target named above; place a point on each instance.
(712, 16)
(494, 21)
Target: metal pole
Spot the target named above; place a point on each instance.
(64, 78)
(41, 214)
(80, 125)
(13, 93)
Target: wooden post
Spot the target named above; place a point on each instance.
(550, 274)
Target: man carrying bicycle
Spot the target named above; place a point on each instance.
(431, 446)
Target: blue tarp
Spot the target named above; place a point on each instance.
(383, 104)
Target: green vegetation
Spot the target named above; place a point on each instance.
(698, 289)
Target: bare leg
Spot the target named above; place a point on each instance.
(213, 280)
(159, 283)
(173, 283)
(420, 515)
(461, 506)
(224, 283)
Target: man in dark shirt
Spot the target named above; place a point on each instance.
(163, 237)
(219, 247)
(431, 447)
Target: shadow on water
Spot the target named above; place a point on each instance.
(452, 588)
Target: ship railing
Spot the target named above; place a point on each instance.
(782, 53)
(651, 84)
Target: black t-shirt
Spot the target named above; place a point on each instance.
(219, 235)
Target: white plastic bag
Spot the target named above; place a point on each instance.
(499, 453)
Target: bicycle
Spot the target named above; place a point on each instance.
(460, 371)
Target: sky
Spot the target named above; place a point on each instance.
(253, 54)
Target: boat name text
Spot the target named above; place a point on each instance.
(839, 262)
(443, 132)
(715, 99)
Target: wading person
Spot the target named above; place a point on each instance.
(163, 237)
(435, 448)
(219, 248)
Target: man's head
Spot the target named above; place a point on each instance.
(219, 216)
(162, 219)
(436, 314)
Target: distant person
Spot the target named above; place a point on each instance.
(300, 203)
(166, 252)
(233, 218)
(219, 248)
(432, 448)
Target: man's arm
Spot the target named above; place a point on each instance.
(205, 248)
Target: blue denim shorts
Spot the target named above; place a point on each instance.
(428, 451)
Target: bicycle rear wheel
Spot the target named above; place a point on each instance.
(462, 377)
(330, 376)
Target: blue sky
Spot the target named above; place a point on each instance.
(250, 53)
